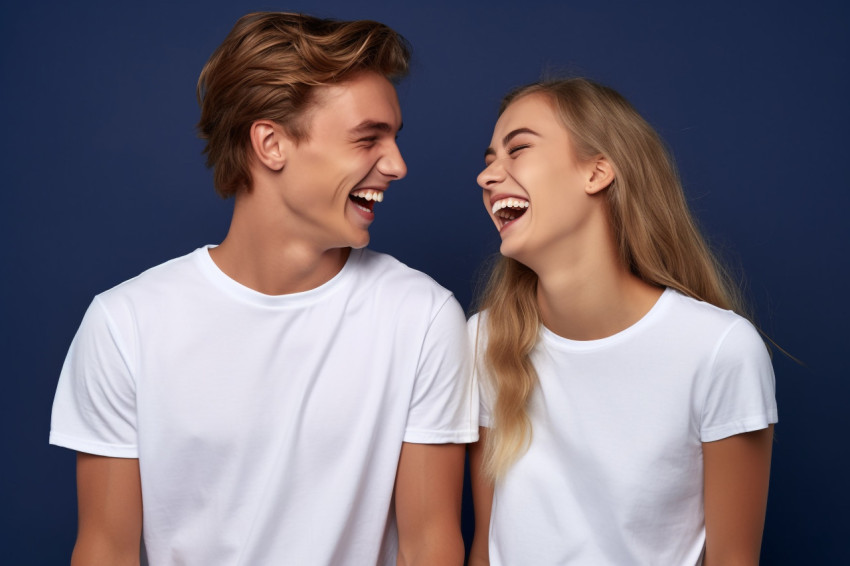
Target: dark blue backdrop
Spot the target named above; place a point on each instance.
(102, 177)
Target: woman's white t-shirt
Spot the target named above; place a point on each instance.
(614, 473)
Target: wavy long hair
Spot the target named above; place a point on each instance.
(656, 235)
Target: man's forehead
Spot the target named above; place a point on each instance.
(363, 87)
(358, 106)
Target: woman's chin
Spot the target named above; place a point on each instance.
(512, 250)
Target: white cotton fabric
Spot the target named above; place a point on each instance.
(614, 473)
(268, 428)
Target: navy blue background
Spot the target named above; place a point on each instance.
(102, 178)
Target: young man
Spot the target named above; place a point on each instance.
(286, 397)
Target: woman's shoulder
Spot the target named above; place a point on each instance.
(696, 312)
(475, 326)
(728, 334)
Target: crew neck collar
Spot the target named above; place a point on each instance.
(585, 345)
(246, 294)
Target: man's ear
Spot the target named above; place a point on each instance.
(269, 142)
(601, 175)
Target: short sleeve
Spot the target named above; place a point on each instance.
(740, 394)
(477, 344)
(444, 406)
(94, 410)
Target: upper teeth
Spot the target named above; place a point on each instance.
(377, 196)
(509, 202)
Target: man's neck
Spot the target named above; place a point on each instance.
(277, 270)
(259, 254)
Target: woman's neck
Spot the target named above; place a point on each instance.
(592, 295)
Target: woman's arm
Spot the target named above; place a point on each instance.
(109, 497)
(737, 471)
(482, 497)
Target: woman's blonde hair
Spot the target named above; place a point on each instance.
(656, 236)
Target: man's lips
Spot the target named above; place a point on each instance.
(364, 199)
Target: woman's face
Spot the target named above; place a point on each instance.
(538, 194)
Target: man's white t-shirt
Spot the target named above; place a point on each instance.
(614, 473)
(268, 428)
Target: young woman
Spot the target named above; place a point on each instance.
(626, 409)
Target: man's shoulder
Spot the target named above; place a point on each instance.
(156, 279)
(387, 270)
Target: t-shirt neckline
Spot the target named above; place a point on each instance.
(243, 293)
(584, 345)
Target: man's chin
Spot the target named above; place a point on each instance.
(360, 243)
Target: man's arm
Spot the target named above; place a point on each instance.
(482, 499)
(737, 471)
(428, 491)
(109, 498)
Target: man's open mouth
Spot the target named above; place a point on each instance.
(366, 198)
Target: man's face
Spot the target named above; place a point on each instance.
(332, 180)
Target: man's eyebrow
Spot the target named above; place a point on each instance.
(511, 135)
(373, 126)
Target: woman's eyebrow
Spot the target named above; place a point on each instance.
(511, 135)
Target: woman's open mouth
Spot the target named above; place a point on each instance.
(508, 209)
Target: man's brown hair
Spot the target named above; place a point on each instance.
(268, 67)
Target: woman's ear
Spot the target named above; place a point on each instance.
(601, 175)
(269, 142)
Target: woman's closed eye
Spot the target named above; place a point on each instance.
(514, 149)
